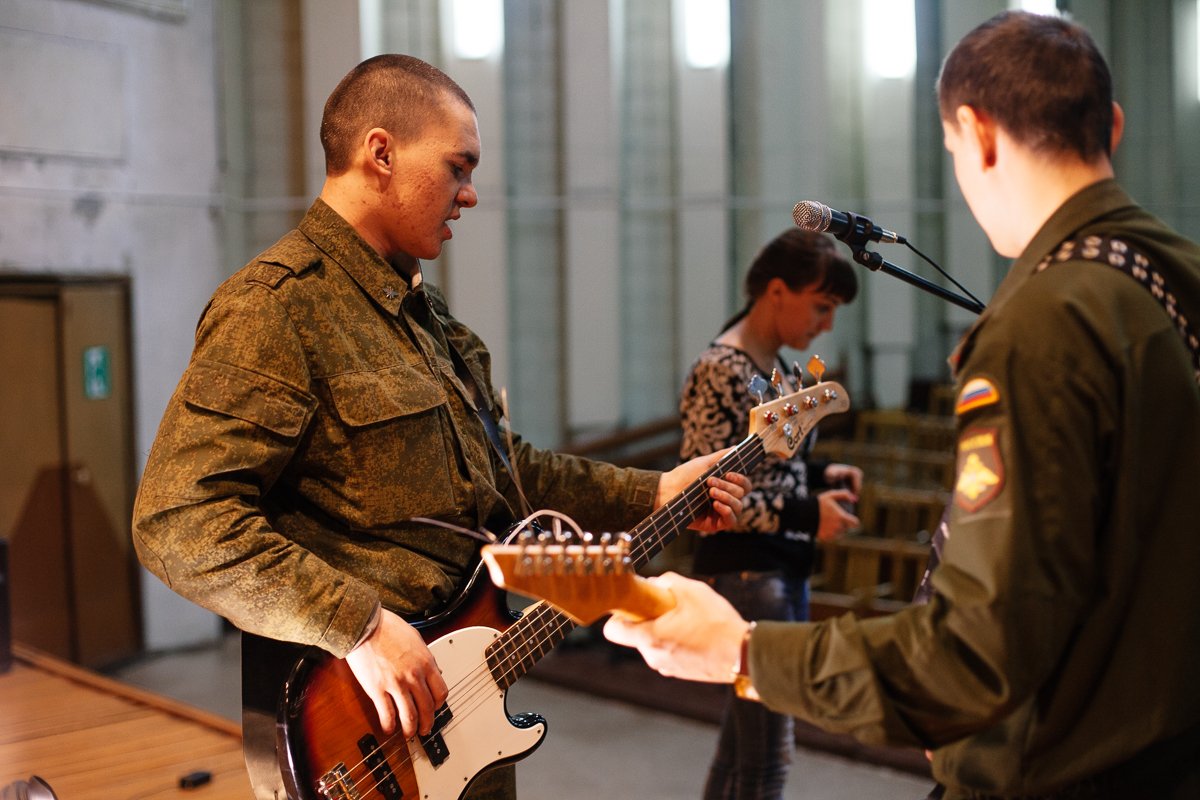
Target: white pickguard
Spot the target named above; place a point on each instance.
(480, 733)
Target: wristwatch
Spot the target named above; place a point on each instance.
(741, 669)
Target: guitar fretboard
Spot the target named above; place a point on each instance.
(543, 627)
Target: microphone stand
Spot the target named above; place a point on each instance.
(856, 236)
(875, 262)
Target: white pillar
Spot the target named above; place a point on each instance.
(702, 133)
(331, 44)
(592, 230)
(476, 260)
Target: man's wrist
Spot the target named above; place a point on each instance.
(372, 624)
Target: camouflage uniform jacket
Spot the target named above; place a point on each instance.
(1061, 644)
(320, 412)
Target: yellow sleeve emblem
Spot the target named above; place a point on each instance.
(980, 469)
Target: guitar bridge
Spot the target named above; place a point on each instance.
(335, 784)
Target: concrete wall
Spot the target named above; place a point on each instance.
(109, 162)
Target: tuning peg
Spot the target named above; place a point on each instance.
(817, 367)
(799, 373)
(758, 386)
(777, 382)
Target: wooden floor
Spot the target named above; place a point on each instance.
(92, 738)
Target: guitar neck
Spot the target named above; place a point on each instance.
(543, 627)
(656, 531)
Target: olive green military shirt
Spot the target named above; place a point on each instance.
(320, 413)
(1063, 636)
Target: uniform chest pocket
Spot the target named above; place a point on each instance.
(389, 431)
(368, 398)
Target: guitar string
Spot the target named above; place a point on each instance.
(479, 686)
(480, 682)
(474, 688)
(524, 647)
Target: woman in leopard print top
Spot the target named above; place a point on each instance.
(762, 566)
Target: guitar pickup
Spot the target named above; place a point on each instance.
(385, 780)
(434, 743)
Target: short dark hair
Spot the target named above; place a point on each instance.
(801, 259)
(1041, 78)
(398, 93)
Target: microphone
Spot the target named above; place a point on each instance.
(854, 229)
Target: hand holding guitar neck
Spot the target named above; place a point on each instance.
(587, 581)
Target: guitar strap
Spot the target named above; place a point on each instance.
(1119, 254)
(486, 418)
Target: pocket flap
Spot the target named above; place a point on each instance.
(364, 398)
(248, 396)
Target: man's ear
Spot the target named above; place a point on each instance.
(979, 129)
(1118, 128)
(378, 147)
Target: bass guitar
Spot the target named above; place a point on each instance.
(312, 734)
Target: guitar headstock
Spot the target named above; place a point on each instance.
(784, 422)
(585, 581)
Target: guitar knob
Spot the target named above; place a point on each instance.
(830, 394)
(811, 402)
(770, 417)
(790, 410)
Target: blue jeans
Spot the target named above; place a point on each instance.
(754, 751)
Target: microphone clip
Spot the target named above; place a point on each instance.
(859, 230)
(868, 258)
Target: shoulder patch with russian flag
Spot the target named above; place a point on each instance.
(977, 393)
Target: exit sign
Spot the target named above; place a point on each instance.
(97, 373)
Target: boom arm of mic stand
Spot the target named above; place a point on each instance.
(875, 262)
